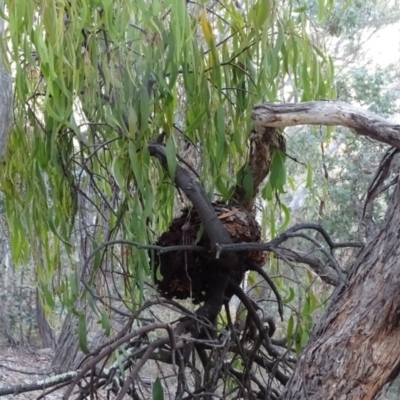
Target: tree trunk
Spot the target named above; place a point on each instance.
(5, 326)
(67, 346)
(45, 330)
(6, 99)
(68, 342)
(354, 349)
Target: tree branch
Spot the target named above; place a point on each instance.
(328, 113)
(216, 232)
(39, 385)
(320, 268)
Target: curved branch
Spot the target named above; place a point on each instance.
(214, 228)
(260, 271)
(238, 291)
(324, 234)
(328, 113)
(112, 347)
(321, 269)
(328, 255)
(272, 245)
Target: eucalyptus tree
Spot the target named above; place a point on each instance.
(127, 111)
(5, 101)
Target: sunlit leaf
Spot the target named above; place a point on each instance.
(206, 27)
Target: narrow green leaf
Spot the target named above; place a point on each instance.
(40, 181)
(97, 256)
(148, 201)
(295, 55)
(298, 346)
(291, 183)
(315, 73)
(144, 108)
(159, 275)
(306, 82)
(251, 278)
(289, 298)
(286, 220)
(48, 297)
(277, 177)
(263, 12)
(248, 183)
(304, 338)
(289, 331)
(321, 9)
(158, 390)
(171, 157)
(279, 41)
(306, 307)
(272, 222)
(285, 59)
(199, 234)
(74, 285)
(105, 323)
(267, 192)
(309, 179)
(313, 302)
(52, 227)
(221, 141)
(137, 170)
(117, 169)
(82, 334)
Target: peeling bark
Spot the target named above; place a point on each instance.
(263, 144)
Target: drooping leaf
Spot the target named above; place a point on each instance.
(158, 390)
(82, 334)
(277, 177)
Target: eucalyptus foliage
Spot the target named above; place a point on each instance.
(96, 80)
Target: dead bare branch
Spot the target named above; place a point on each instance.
(330, 113)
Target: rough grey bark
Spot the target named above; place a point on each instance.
(6, 99)
(65, 357)
(354, 349)
(67, 346)
(5, 327)
(45, 330)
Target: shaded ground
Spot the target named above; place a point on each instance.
(33, 363)
(21, 366)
